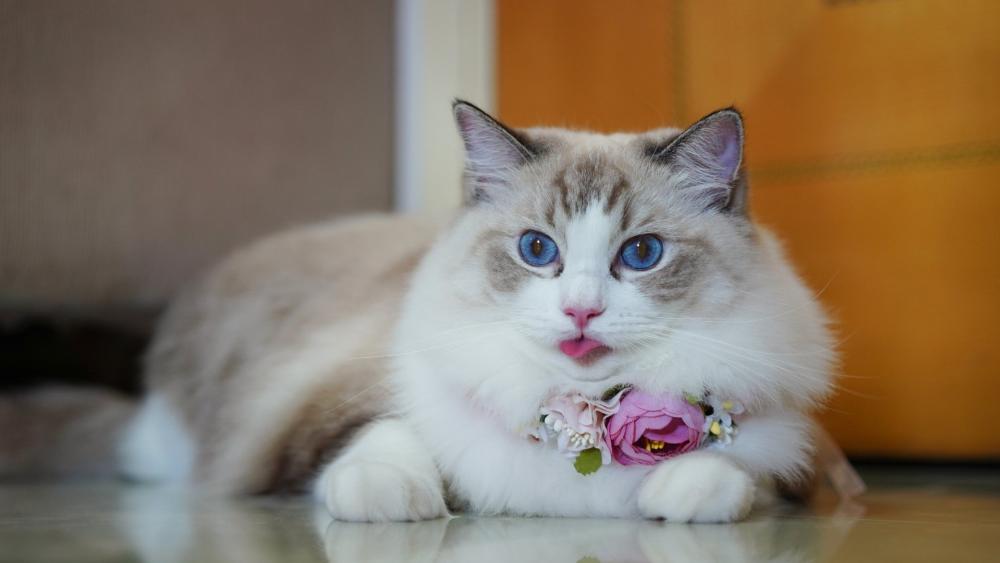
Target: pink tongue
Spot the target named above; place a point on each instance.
(579, 347)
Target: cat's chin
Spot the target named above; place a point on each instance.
(592, 373)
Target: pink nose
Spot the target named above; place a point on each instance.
(581, 316)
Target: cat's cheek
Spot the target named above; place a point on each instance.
(697, 487)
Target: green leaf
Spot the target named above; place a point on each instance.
(611, 392)
(588, 461)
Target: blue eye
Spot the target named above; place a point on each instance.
(537, 249)
(642, 252)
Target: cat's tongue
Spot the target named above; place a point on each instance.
(579, 348)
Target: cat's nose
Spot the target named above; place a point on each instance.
(582, 315)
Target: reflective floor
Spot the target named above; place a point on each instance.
(923, 515)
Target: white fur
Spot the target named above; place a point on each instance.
(156, 446)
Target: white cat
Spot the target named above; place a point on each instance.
(400, 375)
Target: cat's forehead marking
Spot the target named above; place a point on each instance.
(616, 194)
(587, 180)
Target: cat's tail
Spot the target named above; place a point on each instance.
(60, 432)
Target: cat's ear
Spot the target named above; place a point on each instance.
(492, 151)
(705, 161)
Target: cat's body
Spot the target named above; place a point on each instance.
(275, 356)
(327, 358)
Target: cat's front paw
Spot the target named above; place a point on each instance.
(697, 487)
(378, 492)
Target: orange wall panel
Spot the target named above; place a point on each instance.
(567, 63)
(907, 263)
(822, 79)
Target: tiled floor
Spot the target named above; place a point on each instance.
(909, 515)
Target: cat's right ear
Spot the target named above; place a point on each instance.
(492, 152)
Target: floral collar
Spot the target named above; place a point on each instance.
(633, 427)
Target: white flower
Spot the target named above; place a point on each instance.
(576, 423)
(719, 425)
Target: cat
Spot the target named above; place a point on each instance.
(395, 367)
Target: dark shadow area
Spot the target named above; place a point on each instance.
(38, 350)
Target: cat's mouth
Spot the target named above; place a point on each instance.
(584, 350)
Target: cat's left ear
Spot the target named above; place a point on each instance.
(705, 160)
(492, 152)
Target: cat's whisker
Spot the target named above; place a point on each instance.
(471, 326)
(437, 347)
(355, 396)
(792, 370)
(769, 353)
(707, 350)
(748, 354)
(723, 320)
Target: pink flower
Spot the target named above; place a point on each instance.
(647, 429)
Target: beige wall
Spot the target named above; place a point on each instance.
(140, 140)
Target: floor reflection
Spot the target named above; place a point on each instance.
(591, 541)
(84, 523)
(180, 529)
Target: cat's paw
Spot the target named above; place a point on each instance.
(361, 491)
(697, 487)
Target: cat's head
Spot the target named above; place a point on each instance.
(607, 257)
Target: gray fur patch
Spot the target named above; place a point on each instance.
(562, 191)
(504, 274)
(550, 213)
(675, 280)
(616, 193)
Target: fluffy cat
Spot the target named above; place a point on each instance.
(393, 367)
